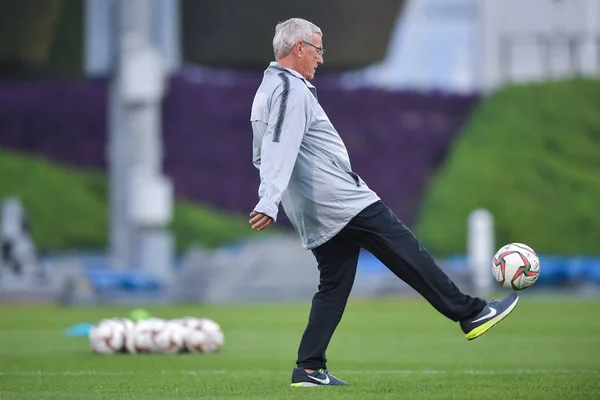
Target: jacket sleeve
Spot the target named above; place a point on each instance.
(286, 127)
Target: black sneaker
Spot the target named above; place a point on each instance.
(318, 378)
(493, 312)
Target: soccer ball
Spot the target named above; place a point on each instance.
(169, 339)
(516, 266)
(187, 324)
(203, 336)
(109, 336)
(143, 337)
(128, 326)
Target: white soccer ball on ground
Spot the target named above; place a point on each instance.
(516, 266)
(203, 336)
(187, 324)
(170, 339)
(108, 336)
(143, 337)
(128, 326)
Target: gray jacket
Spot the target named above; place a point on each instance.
(303, 162)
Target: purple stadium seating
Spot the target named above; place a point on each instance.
(396, 140)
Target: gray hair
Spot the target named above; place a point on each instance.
(288, 33)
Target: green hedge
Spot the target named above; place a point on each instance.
(68, 208)
(531, 155)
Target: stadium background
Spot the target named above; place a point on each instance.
(445, 107)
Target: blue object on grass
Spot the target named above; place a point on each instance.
(82, 329)
(133, 280)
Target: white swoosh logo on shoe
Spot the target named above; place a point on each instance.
(488, 315)
(322, 381)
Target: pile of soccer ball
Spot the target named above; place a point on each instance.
(155, 335)
(516, 266)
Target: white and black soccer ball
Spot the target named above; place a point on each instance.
(170, 338)
(204, 336)
(143, 337)
(186, 324)
(516, 266)
(109, 336)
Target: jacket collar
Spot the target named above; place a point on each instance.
(276, 65)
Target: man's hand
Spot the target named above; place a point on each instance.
(259, 221)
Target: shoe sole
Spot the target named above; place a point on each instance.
(306, 384)
(480, 330)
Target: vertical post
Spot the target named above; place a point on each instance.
(118, 167)
(480, 250)
(166, 32)
(99, 37)
(597, 48)
(141, 196)
(545, 44)
(574, 44)
(505, 59)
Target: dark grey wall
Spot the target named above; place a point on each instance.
(240, 32)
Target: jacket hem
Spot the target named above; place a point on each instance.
(331, 234)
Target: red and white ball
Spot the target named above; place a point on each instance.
(109, 336)
(203, 336)
(170, 339)
(143, 337)
(516, 266)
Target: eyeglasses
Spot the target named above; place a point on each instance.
(320, 50)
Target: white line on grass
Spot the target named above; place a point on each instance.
(266, 372)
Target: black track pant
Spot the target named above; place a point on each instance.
(378, 230)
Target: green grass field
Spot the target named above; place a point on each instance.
(392, 349)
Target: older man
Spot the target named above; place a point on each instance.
(304, 165)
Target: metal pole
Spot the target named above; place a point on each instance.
(141, 197)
